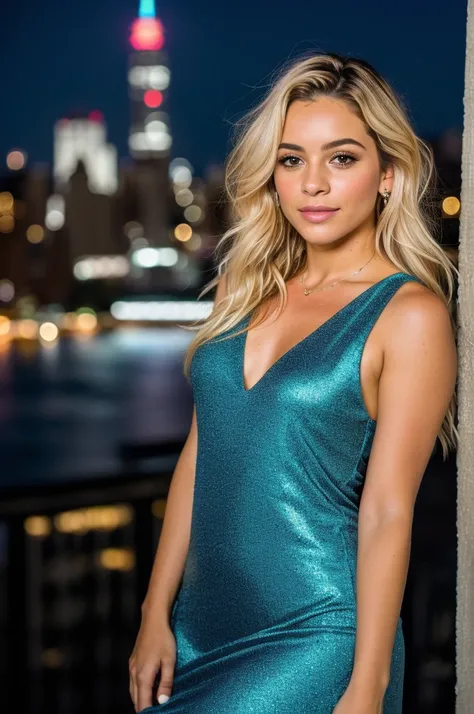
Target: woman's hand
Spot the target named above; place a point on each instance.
(355, 701)
(154, 651)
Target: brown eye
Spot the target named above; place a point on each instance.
(345, 156)
(289, 158)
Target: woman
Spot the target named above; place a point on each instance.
(316, 421)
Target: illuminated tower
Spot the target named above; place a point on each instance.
(148, 80)
(149, 138)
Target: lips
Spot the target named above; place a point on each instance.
(317, 215)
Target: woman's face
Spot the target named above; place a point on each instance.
(310, 173)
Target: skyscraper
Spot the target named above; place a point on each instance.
(85, 182)
(84, 138)
(148, 81)
(149, 134)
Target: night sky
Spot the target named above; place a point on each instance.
(58, 57)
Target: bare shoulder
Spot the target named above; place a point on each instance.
(414, 307)
(418, 322)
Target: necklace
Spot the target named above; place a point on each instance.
(308, 291)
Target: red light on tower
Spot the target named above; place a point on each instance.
(96, 115)
(153, 98)
(147, 34)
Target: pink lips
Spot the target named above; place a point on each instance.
(317, 216)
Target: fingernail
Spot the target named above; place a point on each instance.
(163, 698)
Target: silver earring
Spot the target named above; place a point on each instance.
(386, 195)
(277, 198)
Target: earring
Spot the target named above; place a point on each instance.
(277, 198)
(386, 195)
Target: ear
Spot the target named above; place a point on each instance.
(386, 181)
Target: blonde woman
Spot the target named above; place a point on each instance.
(322, 380)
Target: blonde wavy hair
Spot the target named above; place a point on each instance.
(261, 250)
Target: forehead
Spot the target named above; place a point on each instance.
(322, 120)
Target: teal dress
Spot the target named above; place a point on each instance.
(265, 615)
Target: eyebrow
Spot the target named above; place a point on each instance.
(331, 145)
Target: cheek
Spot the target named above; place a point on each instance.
(286, 183)
(360, 189)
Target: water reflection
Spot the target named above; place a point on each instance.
(66, 408)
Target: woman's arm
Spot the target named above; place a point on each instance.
(416, 385)
(155, 648)
(173, 545)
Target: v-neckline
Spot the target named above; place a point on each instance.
(303, 340)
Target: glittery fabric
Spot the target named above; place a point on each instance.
(265, 616)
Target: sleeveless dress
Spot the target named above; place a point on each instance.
(265, 615)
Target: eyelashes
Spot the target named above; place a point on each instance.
(341, 154)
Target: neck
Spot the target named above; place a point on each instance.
(328, 263)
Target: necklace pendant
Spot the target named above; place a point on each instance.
(306, 291)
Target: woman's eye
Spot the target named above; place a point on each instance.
(342, 160)
(291, 159)
(350, 158)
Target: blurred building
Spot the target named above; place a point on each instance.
(85, 139)
(149, 134)
(91, 218)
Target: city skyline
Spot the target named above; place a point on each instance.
(78, 62)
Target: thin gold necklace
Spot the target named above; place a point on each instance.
(331, 285)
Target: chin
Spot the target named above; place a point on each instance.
(319, 240)
(318, 234)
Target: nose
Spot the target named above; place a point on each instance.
(315, 180)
